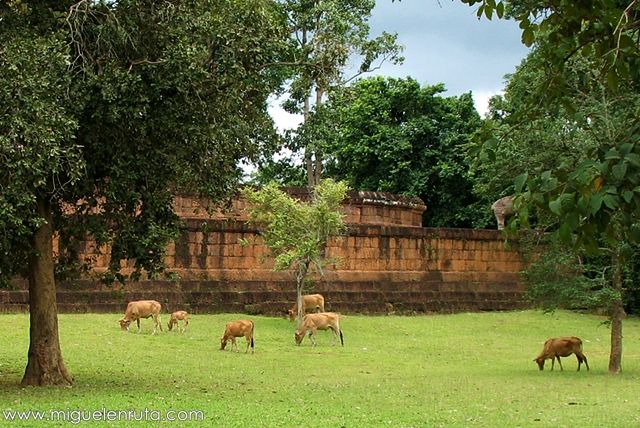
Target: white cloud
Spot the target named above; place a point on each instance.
(444, 43)
(282, 118)
(481, 100)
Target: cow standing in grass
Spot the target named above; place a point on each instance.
(141, 309)
(311, 323)
(310, 302)
(235, 329)
(557, 347)
(179, 316)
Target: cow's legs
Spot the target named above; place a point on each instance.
(248, 339)
(560, 362)
(138, 321)
(313, 335)
(582, 359)
(154, 318)
(335, 335)
(233, 343)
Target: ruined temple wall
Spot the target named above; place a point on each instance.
(384, 263)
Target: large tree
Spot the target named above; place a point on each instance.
(107, 109)
(596, 201)
(393, 135)
(326, 35)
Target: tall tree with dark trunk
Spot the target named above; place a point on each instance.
(596, 201)
(106, 110)
(325, 35)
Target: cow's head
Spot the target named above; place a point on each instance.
(299, 337)
(540, 362)
(124, 324)
(292, 315)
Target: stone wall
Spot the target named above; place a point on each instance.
(387, 263)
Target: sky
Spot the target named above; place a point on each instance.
(444, 43)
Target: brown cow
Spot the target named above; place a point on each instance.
(179, 316)
(235, 329)
(503, 208)
(557, 347)
(310, 301)
(141, 309)
(311, 323)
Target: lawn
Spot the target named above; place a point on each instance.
(470, 369)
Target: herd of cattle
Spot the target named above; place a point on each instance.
(553, 348)
(310, 325)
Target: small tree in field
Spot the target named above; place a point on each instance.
(296, 232)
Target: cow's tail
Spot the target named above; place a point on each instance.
(252, 329)
(341, 338)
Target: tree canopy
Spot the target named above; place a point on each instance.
(326, 36)
(595, 200)
(393, 135)
(107, 109)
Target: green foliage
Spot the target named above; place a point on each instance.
(577, 142)
(296, 232)
(109, 108)
(590, 53)
(394, 136)
(325, 36)
(36, 130)
(561, 277)
(284, 171)
(592, 85)
(523, 138)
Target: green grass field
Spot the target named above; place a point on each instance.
(443, 370)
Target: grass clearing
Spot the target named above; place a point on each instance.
(469, 369)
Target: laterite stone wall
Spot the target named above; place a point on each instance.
(388, 263)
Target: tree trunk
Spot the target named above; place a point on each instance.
(45, 365)
(317, 168)
(308, 155)
(617, 315)
(300, 276)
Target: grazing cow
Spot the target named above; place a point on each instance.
(179, 316)
(555, 348)
(503, 208)
(141, 309)
(235, 329)
(311, 323)
(310, 301)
